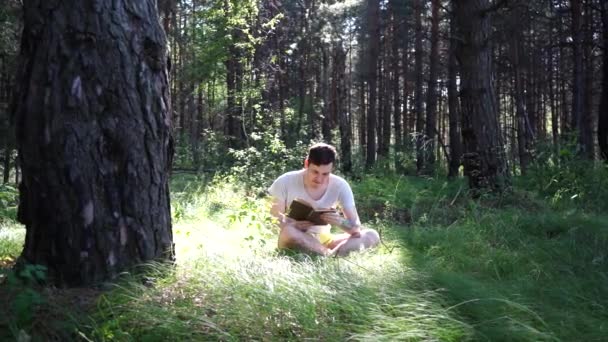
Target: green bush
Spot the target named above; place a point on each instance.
(567, 181)
(8, 202)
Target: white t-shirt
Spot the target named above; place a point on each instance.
(290, 185)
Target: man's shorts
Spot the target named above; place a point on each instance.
(323, 237)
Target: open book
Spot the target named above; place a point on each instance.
(300, 210)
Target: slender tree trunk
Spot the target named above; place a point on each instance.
(405, 71)
(339, 88)
(453, 107)
(328, 101)
(93, 134)
(577, 71)
(431, 95)
(395, 17)
(418, 91)
(520, 109)
(602, 124)
(484, 157)
(386, 101)
(373, 13)
(586, 120)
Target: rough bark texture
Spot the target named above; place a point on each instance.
(484, 156)
(602, 123)
(93, 134)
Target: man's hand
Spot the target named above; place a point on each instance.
(338, 220)
(332, 218)
(300, 225)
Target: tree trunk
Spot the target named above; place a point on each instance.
(520, 109)
(484, 157)
(602, 123)
(431, 95)
(396, 74)
(386, 103)
(419, 134)
(363, 120)
(577, 70)
(395, 18)
(373, 13)
(453, 107)
(585, 133)
(405, 71)
(339, 89)
(93, 135)
(327, 122)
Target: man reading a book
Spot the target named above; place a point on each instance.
(317, 187)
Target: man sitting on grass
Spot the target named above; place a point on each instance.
(317, 185)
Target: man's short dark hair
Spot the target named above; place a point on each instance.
(322, 154)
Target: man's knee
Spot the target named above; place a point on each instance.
(286, 236)
(371, 237)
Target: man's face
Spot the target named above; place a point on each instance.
(318, 175)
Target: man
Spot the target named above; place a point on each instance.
(317, 185)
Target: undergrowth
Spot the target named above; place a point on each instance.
(528, 265)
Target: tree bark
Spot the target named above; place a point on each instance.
(453, 107)
(585, 133)
(520, 109)
(484, 155)
(602, 123)
(395, 23)
(339, 91)
(431, 95)
(93, 134)
(373, 13)
(577, 60)
(418, 101)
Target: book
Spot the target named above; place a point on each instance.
(301, 210)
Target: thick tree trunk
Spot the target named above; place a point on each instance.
(602, 123)
(93, 134)
(484, 157)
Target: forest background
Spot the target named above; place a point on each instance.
(474, 132)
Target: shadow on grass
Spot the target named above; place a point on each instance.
(519, 276)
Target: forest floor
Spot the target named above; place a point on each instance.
(518, 267)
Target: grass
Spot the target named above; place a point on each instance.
(450, 269)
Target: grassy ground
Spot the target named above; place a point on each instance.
(516, 268)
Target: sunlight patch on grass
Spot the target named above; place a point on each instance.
(230, 286)
(12, 237)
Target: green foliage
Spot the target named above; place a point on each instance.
(508, 267)
(567, 181)
(8, 203)
(259, 166)
(23, 287)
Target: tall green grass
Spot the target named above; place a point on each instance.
(230, 283)
(517, 267)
